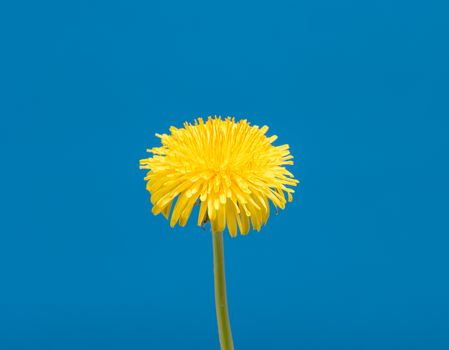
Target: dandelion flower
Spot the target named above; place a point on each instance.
(232, 171)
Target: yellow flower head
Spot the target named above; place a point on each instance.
(230, 169)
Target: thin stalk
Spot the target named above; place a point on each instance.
(221, 304)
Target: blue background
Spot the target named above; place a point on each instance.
(359, 89)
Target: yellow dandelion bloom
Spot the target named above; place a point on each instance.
(230, 169)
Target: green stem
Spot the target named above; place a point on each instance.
(221, 305)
